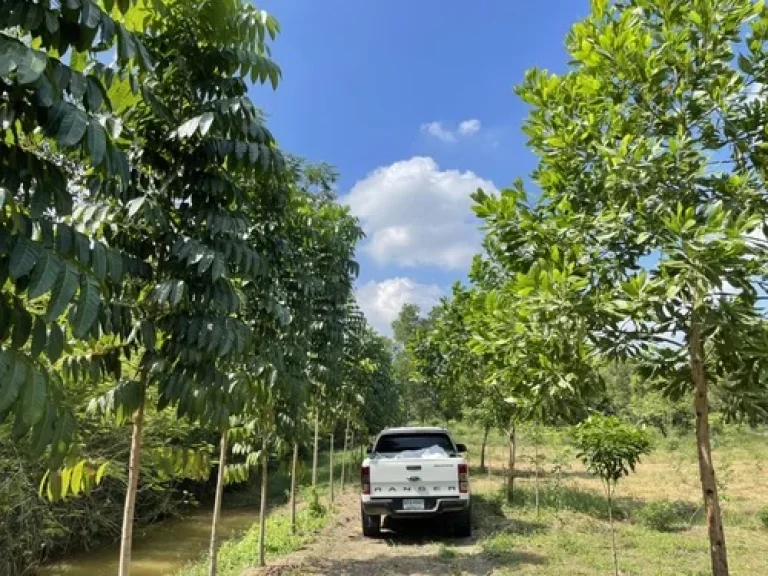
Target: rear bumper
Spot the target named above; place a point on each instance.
(393, 508)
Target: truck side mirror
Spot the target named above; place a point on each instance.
(461, 448)
(369, 449)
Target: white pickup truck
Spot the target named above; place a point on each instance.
(415, 473)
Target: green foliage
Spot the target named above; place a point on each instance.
(238, 555)
(610, 448)
(660, 515)
(762, 516)
(314, 506)
(158, 250)
(60, 284)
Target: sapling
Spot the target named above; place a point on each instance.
(611, 449)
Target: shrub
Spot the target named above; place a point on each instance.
(660, 515)
(762, 515)
(314, 505)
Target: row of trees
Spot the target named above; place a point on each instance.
(644, 243)
(158, 251)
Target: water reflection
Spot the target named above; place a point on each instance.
(158, 550)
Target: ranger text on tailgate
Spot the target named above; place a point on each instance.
(415, 473)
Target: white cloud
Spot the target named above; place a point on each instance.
(465, 128)
(436, 129)
(415, 214)
(382, 301)
(469, 127)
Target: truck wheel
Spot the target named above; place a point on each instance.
(462, 524)
(371, 524)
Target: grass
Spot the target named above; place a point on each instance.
(569, 533)
(241, 553)
(238, 555)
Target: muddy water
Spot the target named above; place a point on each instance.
(158, 550)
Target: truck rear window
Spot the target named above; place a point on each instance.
(396, 443)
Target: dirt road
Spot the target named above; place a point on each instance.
(413, 548)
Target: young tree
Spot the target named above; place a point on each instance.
(610, 449)
(419, 398)
(61, 281)
(652, 174)
(199, 143)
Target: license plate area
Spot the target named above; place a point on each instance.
(413, 504)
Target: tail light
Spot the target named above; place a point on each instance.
(463, 478)
(365, 479)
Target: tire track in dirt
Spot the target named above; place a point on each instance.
(416, 548)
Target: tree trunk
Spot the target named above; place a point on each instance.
(344, 455)
(315, 449)
(536, 470)
(717, 548)
(352, 446)
(330, 468)
(613, 532)
(214, 552)
(294, 468)
(263, 503)
(511, 463)
(482, 448)
(134, 465)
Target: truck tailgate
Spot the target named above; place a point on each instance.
(418, 477)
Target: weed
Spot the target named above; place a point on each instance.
(314, 506)
(237, 555)
(661, 515)
(762, 515)
(499, 546)
(445, 554)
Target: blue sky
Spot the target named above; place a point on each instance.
(412, 101)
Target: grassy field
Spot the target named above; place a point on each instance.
(658, 517)
(660, 527)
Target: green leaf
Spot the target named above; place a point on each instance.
(102, 470)
(12, 381)
(76, 483)
(72, 127)
(78, 61)
(39, 338)
(33, 398)
(205, 262)
(31, 67)
(66, 478)
(163, 291)
(115, 265)
(99, 260)
(63, 292)
(189, 127)
(88, 305)
(135, 205)
(97, 142)
(24, 256)
(43, 432)
(55, 344)
(44, 275)
(177, 292)
(205, 123)
(91, 14)
(22, 327)
(10, 54)
(695, 17)
(218, 269)
(126, 47)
